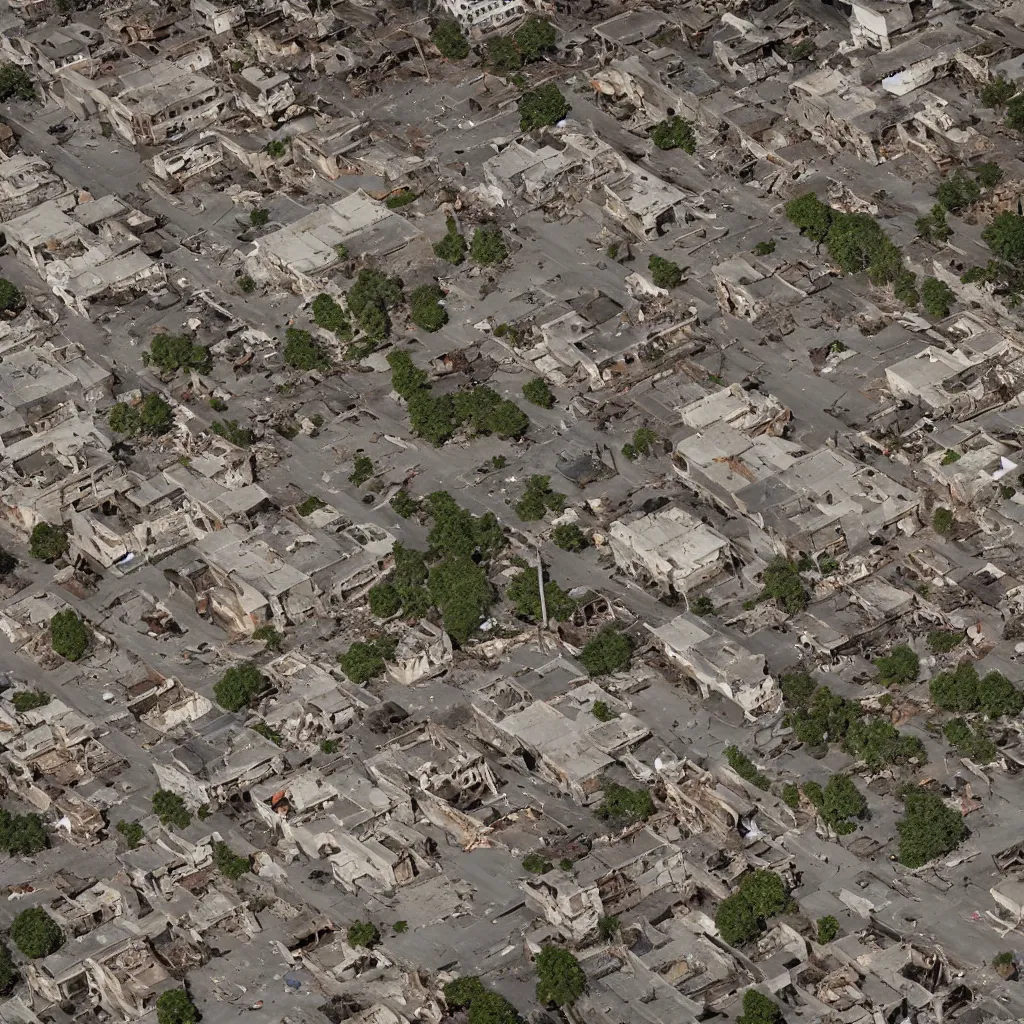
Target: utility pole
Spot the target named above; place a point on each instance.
(540, 588)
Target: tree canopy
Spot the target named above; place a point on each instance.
(928, 829)
(425, 309)
(15, 83)
(35, 933)
(541, 107)
(69, 635)
(560, 979)
(303, 352)
(22, 834)
(175, 1007)
(609, 651)
(1005, 236)
(675, 133)
(365, 659)
(48, 543)
(169, 353)
(449, 40)
(239, 685)
(170, 809)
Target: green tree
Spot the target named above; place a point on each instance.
(451, 248)
(997, 696)
(124, 419)
(28, 700)
(461, 591)
(765, 892)
(492, 1008)
(35, 933)
(898, 667)
(155, 416)
(48, 543)
(170, 809)
(607, 652)
(523, 592)
(328, 314)
(425, 309)
(258, 217)
(239, 686)
(858, 244)
(957, 191)
(538, 392)
(905, 289)
(406, 377)
(569, 537)
(502, 55)
(362, 470)
(971, 743)
(936, 297)
(745, 768)
(370, 298)
(1015, 114)
(933, 227)
(270, 637)
(404, 504)
(928, 829)
(783, 585)
(542, 106)
(811, 216)
(560, 979)
(998, 92)
(841, 800)
(15, 83)
(534, 38)
(175, 1007)
(1005, 236)
(488, 247)
(8, 970)
(942, 520)
(957, 690)
(11, 299)
(22, 834)
(623, 805)
(538, 499)
(169, 353)
(69, 635)
(675, 133)
(759, 1009)
(879, 743)
(431, 416)
(459, 993)
(736, 921)
(365, 659)
(988, 174)
(8, 563)
(449, 40)
(942, 641)
(664, 273)
(229, 863)
(828, 929)
(385, 600)
(643, 443)
(303, 352)
(536, 864)
(133, 833)
(362, 934)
